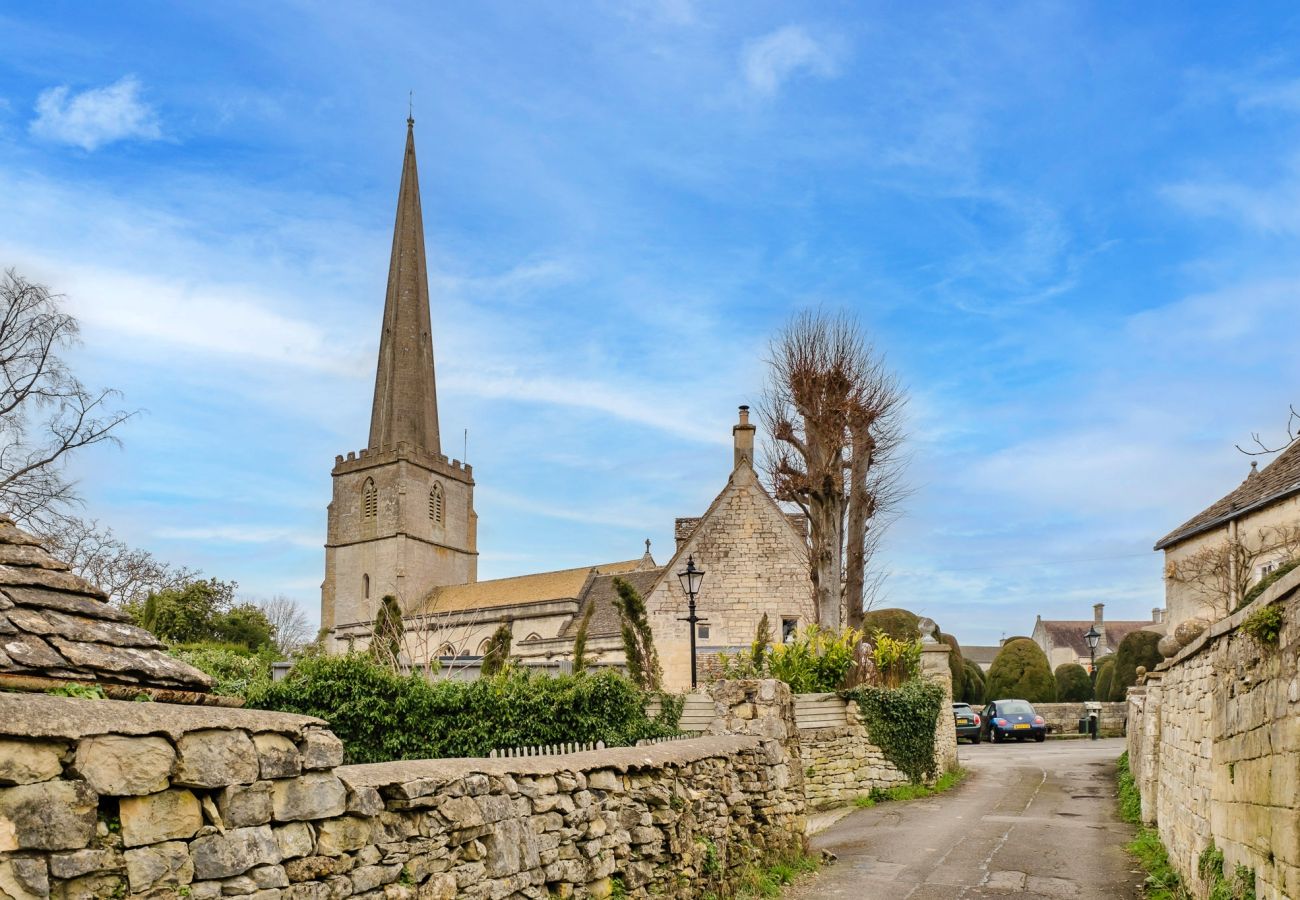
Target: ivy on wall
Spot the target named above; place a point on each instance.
(901, 722)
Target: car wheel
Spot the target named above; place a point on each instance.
(997, 736)
(1041, 736)
(975, 739)
(1020, 739)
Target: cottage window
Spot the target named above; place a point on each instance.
(789, 627)
(365, 586)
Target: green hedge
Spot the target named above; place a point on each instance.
(1020, 671)
(382, 716)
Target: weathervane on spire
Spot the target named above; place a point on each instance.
(410, 107)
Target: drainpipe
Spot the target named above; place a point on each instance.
(1234, 595)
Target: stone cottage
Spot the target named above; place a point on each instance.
(1063, 641)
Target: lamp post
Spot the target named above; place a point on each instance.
(1093, 637)
(690, 579)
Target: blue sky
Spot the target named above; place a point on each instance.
(1072, 229)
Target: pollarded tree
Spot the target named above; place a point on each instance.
(1072, 683)
(1020, 671)
(833, 411)
(1137, 649)
(638, 641)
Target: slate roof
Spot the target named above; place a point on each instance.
(1070, 633)
(600, 594)
(1277, 480)
(565, 584)
(54, 624)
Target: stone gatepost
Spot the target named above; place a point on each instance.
(934, 667)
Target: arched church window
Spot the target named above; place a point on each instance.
(447, 650)
(436, 503)
(369, 499)
(365, 586)
(483, 647)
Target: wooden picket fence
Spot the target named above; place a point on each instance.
(647, 742)
(549, 750)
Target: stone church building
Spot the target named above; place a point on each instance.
(402, 522)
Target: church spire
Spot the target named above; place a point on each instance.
(406, 399)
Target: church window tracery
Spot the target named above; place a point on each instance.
(369, 500)
(436, 503)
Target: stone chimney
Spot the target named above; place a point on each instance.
(743, 435)
(1096, 613)
(1158, 616)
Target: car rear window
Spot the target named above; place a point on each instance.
(961, 708)
(1015, 708)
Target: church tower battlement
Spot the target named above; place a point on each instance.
(402, 517)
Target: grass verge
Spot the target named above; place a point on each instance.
(945, 782)
(770, 880)
(1163, 881)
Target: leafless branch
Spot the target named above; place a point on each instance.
(1292, 432)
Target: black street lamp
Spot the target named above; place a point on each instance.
(1093, 637)
(691, 579)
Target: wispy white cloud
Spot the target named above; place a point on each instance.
(243, 534)
(95, 117)
(770, 61)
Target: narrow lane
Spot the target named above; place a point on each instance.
(1031, 820)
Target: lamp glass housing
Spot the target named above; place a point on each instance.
(1093, 637)
(691, 578)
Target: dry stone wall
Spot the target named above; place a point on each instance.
(1063, 718)
(1214, 745)
(115, 799)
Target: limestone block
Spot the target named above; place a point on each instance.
(314, 795)
(24, 879)
(48, 815)
(312, 868)
(337, 836)
(604, 780)
(165, 816)
(439, 887)
(160, 864)
(277, 756)
(321, 749)
(215, 758)
(25, 762)
(365, 801)
(76, 863)
(295, 839)
(367, 878)
(91, 887)
(267, 877)
(244, 805)
(125, 766)
(234, 853)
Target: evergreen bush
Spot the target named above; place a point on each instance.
(818, 660)
(1072, 683)
(1021, 672)
(972, 683)
(235, 670)
(1105, 676)
(1137, 649)
(1267, 582)
(900, 624)
(901, 722)
(381, 715)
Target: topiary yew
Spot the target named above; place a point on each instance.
(899, 624)
(1020, 671)
(1072, 683)
(1137, 649)
(1105, 676)
(973, 683)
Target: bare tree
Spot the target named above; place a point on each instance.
(833, 411)
(1292, 432)
(127, 574)
(45, 412)
(288, 622)
(1220, 574)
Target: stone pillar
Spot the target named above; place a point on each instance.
(934, 667)
(1144, 731)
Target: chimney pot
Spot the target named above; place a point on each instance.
(743, 436)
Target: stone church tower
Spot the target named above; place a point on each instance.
(402, 520)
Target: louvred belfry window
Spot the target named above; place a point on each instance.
(436, 503)
(369, 500)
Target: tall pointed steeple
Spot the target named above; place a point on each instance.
(406, 399)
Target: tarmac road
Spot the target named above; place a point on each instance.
(1031, 820)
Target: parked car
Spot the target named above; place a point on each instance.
(968, 722)
(1005, 719)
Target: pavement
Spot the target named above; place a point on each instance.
(1030, 820)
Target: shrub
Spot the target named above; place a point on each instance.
(1105, 677)
(638, 638)
(817, 661)
(897, 661)
(1264, 625)
(956, 663)
(1137, 649)
(897, 623)
(1020, 671)
(235, 670)
(1267, 582)
(1072, 683)
(381, 715)
(901, 722)
(972, 683)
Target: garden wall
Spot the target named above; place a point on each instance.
(1214, 745)
(107, 798)
(1063, 718)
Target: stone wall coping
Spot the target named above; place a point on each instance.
(70, 718)
(421, 777)
(1281, 588)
